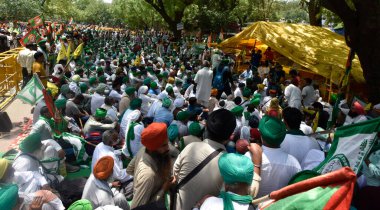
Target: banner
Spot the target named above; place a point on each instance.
(36, 21)
(31, 37)
(350, 146)
(32, 92)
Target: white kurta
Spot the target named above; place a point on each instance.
(203, 78)
(277, 168)
(298, 146)
(293, 96)
(102, 150)
(308, 94)
(134, 143)
(214, 203)
(146, 102)
(96, 102)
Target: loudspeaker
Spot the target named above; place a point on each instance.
(5, 122)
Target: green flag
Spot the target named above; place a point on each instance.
(31, 37)
(32, 92)
(36, 21)
(351, 145)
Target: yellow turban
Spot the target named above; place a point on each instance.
(3, 166)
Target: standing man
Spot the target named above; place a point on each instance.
(203, 79)
(26, 58)
(293, 95)
(308, 93)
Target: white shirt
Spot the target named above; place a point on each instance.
(96, 102)
(308, 94)
(307, 130)
(134, 143)
(102, 150)
(114, 94)
(214, 203)
(203, 78)
(298, 146)
(277, 168)
(357, 119)
(312, 159)
(237, 93)
(293, 96)
(26, 58)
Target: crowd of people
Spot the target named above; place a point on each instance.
(167, 125)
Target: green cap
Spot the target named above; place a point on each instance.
(153, 85)
(136, 103)
(92, 80)
(130, 90)
(166, 102)
(83, 87)
(102, 79)
(255, 101)
(237, 111)
(247, 92)
(100, 113)
(147, 81)
(60, 103)
(195, 129)
(82, 204)
(272, 130)
(183, 115)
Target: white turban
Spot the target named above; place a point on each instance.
(142, 90)
(162, 96)
(179, 102)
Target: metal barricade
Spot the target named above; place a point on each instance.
(10, 76)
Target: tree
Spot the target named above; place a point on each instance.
(19, 9)
(362, 31)
(172, 11)
(315, 11)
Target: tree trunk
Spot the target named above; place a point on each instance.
(314, 9)
(362, 30)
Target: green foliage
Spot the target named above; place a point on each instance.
(21, 10)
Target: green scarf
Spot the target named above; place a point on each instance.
(50, 121)
(130, 136)
(229, 197)
(295, 132)
(247, 115)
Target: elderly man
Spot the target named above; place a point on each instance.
(203, 79)
(151, 167)
(237, 174)
(105, 148)
(94, 123)
(219, 127)
(98, 187)
(356, 114)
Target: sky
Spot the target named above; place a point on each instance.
(107, 1)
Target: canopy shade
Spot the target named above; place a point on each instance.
(315, 48)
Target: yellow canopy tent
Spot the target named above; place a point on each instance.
(317, 49)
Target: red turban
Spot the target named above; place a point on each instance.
(154, 136)
(272, 113)
(103, 168)
(255, 133)
(358, 108)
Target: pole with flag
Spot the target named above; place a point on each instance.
(31, 37)
(32, 92)
(37, 21)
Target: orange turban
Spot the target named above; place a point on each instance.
(154, 136)
(214, 92)
(103, 168)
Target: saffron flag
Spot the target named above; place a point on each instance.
(32, 92)
(36, 21)
(350, 146)
(31, 37)
(329, 191)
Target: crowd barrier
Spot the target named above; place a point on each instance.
(10, 76)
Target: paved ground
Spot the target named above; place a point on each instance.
(17, 111)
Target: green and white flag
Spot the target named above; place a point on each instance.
(32, 92)
(350, 146)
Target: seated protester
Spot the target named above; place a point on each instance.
(295, 142)
(274, 109)
(237, 174)
(133, 138)
(163, 113)
(74, 84)
(232, 102)
(44, 124)
(181, 121)
(277, 167)
(156, 104)
(93, 82)
(323, 116)
(105, 148)
(9, 191)
(98, 186)
(194, 107)
(251, 111)
(246, 97)
(42, 199)
(220, 125)
(116, 91)
(135, 105)
(356, 114)
(146, 100)
(151, 167)
(97, 99)
(179, 104)
(238, 112)
(112, 113)
(195, 135)
(27, 174)
(213, 101)
(95, 123)
(72, 109)
(126, 99)
(154, 90)
(239, 91)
